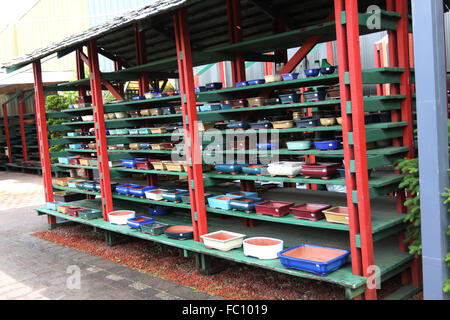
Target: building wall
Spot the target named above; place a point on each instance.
(48, 21)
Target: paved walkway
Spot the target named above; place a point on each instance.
(32, 268)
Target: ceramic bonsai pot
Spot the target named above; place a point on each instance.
(262, 248)
(179, 232)
(159, 130)
(290, 98)
(333, 93)
(285, 124)
(90, 185)
(327, 145)
(246, 204)
(229, 168)
(290, 76)
(337, 215)
(139, 191)
(273, 78)
(259, 170)
(314, 259)
(326, 122)
(241, 84)
(256, 102)
(73, 183)
(64, 209)
(324, 171)
(298, 145)
(256, 82)
(138, 222)
(327, 70)
(73, 211)
(158, 210)
(154, 229)
(268, 146)
(174, 195)
(274, 208)
(144, 165)
(241, 103)
(124, 189)
(54, 205)
(221, 202)
(223, 240)
(315, 95)
(307, 123)
(159, 165)
(200, 89)
(209, 107)
(67, 196)
(243, 194)
(312, 72)
(178, 166)
(214, 86)
(121, 217)
(155, 194)
(239, 125)
(168, 110)
(309, 211)
(90, 214)
(289, 169)
(261, 125)
(133, 132)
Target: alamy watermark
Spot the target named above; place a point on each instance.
(73, 282)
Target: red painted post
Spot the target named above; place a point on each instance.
(141, 58)
(117, 67)
(359, 139)
(222, 73)
(22, 128)
(405, 78)
(190, 122)
(100, 130)
(378, 65)
(347, 127)
(330, 56)
(43, 136)
(80, 73)
(7, 136)
(235, 36)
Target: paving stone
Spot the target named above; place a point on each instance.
(35, 269)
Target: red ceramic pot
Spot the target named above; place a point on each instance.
(274, 208)
(320, 170)
(310, 211)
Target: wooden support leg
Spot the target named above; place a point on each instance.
(207, 268)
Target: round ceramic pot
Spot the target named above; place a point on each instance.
(121, 217)
(273, 78)
(328, 121)
(262, 248)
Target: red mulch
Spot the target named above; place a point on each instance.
(237, 282)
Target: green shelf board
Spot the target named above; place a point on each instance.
(342, 277)
(158, 172)
(72, 166)
(387, 256)
(374, 182)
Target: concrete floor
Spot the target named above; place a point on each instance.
(35, 269)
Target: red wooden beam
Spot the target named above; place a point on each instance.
(7, 135)
(113, 90)
(43, 136)
(141, 58)
(80, 70)
(191, 132)
(359, 136)
(100, 130)
(347, 126)
(22, 128)
(304, 50)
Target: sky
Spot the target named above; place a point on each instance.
(12, 10)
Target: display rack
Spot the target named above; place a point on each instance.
(375, 233)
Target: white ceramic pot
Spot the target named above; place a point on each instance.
(273, 78)
(121, 217)
(285, 168)
(121, 115)
(88, 118)
(223, 240)
(263, 248)
(155, 195)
